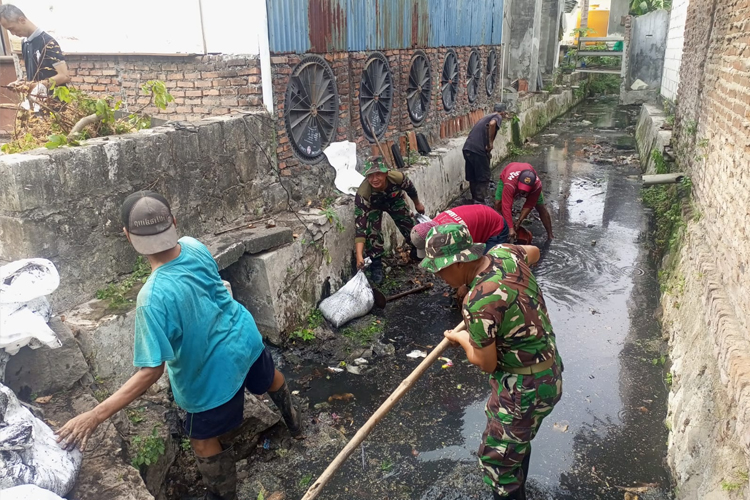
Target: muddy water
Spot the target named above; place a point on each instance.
(606, 436)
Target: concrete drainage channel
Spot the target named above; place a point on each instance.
(280, 273)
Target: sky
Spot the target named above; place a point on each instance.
(147, 26)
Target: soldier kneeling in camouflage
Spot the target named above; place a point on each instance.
(508, 335)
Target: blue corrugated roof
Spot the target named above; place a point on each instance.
(361, 25)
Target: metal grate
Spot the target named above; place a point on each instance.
(473, 75)
(449, 80)
(311, 108)
(419, 91)
(376, 96)
(491, 78)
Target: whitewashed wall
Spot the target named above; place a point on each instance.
(673, 56)
(150, 26)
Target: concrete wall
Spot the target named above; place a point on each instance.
(648, 41)
(617, 10)
(673, 54)
(549, 47)
(525, 32)
(64, 204)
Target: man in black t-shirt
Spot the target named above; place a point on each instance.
(478, 151)
(42, 55)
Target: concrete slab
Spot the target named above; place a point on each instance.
(227, 248)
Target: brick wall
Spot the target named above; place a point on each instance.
(348, 69)
(673, 55)
(201, 85)
(713, 139)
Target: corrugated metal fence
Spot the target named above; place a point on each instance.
(358, 25)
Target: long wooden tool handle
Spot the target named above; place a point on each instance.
(375, 136)
(365, 430)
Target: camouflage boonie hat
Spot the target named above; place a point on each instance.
(374, 165)
(449, 244)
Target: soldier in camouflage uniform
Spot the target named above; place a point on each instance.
(507, 334)
(382, 191)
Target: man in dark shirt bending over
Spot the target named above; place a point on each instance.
(478, 153)
(42, 55)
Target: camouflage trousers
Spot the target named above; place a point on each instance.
(515, 410)
(401, 215)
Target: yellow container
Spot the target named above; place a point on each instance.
(598, 21)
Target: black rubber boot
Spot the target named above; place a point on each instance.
(283, 401)
(376, 271)
(219, 475)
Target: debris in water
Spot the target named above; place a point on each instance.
(360, 361)
(593, 311)
(271, 223)
(643, 488)
(417, 354)
(593, 243)
(459, 386)
(267, 444)
(295, 393)
(579, 201)
(448, 362)
(335, 370)
(414, 452)
(561, 426)
(43, 400)
(347, 396)
(354, 370)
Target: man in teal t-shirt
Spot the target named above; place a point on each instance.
(213, 351)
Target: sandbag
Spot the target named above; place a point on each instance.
(29, 453)
(24, 311)
(353, 300)
(28, 492)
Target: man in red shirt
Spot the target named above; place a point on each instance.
(516, 180)
(484, 224)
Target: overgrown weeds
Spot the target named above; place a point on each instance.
(147, 449)
(365, 334)
(307, 333)
(117, 294)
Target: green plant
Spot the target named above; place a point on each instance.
(668, 379)
(135, 415)
(305, 481)
(603, 84)
(147, 449)
(69, 116)
(306, 334)
(117, 293)
(666, 203)
(101, 394)
(582, 32)
(364, 335)
(659, 162)
(332, 216)
(185, 444)
(691, 126)
(641, 7)
(514, 151)
(261, 496)
(386, 465)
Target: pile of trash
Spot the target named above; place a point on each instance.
(32, 464)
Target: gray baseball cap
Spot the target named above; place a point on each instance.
(148, 218)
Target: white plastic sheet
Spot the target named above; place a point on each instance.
(30, 453)
(28, 492)
(343, 157)
(353, 300)
(24, 311)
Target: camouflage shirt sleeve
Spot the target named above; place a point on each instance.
(518, 251)
(483, 313)
(408, 186)
(361, 209)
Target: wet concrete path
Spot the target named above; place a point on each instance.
(606, 438)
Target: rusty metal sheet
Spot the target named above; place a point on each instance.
(327, 25)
